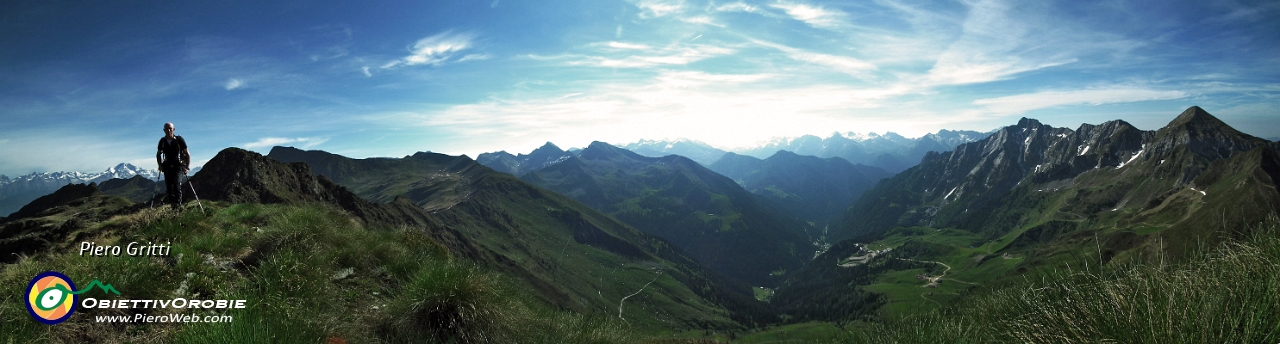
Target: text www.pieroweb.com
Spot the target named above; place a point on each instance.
(171, 318)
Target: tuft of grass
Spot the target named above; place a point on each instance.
(452, 301)
(1230, 294)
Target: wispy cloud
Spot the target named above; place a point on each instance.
(628, 55)
(843, 64)
(815, 15)
(986, 49)
(434, 50)
(475, 57)
(658, 8)
(1240, 12)
(304, 142)
(738, 7)
(1022, 103)
(703, 20)
(323, 42)
(233, 83)
(999, 40)
(626, 46)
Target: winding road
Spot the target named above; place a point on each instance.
(933, 281)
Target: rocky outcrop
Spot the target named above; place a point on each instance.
(239, 176)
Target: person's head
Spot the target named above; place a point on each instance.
(168, 129)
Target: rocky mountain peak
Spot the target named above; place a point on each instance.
(604, 151)
(548, 148)
(241, 176)
(981, 175)
(1195, 116)
(501, 161)
(543, 156)
(285, 151)
(1028, 123)
(1204, 136)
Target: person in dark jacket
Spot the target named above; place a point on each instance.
(174, 161)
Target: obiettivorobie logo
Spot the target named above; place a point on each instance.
(52, 298)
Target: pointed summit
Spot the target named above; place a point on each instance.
(1028, 123)
(1195, 117)
(548, 148)
(1195, 124)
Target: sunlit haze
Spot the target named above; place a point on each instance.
(86, 85)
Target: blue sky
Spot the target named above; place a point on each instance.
(86, 85)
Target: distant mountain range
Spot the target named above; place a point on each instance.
(815, 189)
(890, 152)
(1031, 183)
(17, 192)
(694, 150)
(708, 215)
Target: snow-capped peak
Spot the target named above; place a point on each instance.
(122, 171)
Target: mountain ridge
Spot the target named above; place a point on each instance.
(815, 189)
(710, 216)
(521, 164)
(1122, 165)
(518, 227)
(891, 152)
(694, 150)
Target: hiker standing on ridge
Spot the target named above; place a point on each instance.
(173, 158)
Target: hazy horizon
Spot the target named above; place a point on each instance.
(87, 86)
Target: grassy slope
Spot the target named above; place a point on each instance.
(1106, 216)
(286, 261)
(1227, 294)
(589, 259)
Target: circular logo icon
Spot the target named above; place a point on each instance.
(49, 297)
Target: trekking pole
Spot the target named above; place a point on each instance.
(193, 193)
(155, 190)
